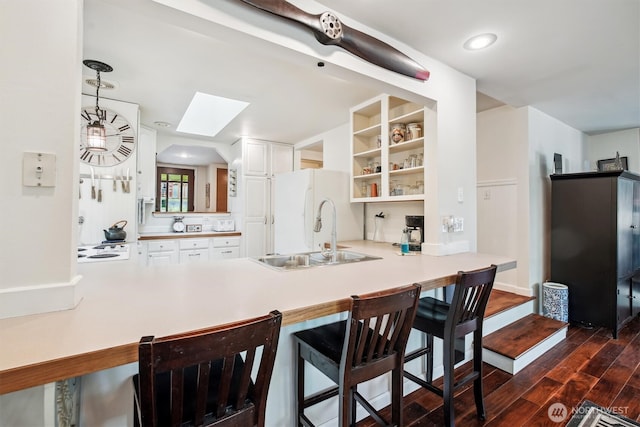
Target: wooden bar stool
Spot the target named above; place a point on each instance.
(464, 315)
(201, 378)
(371, 342)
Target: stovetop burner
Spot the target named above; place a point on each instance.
(103, 252)
(104, 256)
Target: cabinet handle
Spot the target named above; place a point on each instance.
(194, 254)
(226, 252)
(633, 226)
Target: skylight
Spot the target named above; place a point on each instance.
(209, 114)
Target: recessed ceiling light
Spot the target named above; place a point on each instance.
(209, 114)
(480, 41)
(162, 124)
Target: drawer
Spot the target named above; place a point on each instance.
(194, 244)
(223, 242)
(162, 246)
(225, 253)
(196, 255)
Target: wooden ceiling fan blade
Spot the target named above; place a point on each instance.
(380, 53)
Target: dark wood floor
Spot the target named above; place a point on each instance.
(588, 364)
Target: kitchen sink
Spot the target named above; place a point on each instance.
(312, 259)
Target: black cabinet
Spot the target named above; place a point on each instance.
(595, 245)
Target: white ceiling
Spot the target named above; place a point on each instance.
(576, 60)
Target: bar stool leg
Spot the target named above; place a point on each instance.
(299, 388)
(477, 367)
(448, 381)
(429, 358)
(345, 398)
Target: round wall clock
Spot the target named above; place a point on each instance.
(121, 138)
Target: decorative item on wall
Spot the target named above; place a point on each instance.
(328, 30)
(617, 163)
(233, 178)
(107, 138)
(207, 195)
(557, 163)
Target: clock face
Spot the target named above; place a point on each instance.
(121, 138)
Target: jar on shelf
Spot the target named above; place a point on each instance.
(413, 160)
(420, 185)
(414, 131)
(420, 159)
(397, 133)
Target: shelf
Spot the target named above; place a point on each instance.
(413, 116)
(407, 145)
(369, 131)
(409, 171)
(406, 197)
(368, 176)
(376, 152)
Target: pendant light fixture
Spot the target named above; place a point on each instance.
(96, 133)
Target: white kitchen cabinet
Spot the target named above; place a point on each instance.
(394, 168)
(261, 161)
(255, 158)
(258, 221)
(194, 250)
(225, 247)
(265, 158)
(162, 252)
(281, 158)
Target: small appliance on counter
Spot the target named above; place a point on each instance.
(103, 252)
(224, 225)
(415, 225)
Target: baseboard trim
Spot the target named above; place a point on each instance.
(26, 300)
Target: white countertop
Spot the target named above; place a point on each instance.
(124, 301)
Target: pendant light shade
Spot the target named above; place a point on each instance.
(96, 132)
(96, 137)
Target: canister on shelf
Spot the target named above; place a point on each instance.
(414, 130)
(374, 190)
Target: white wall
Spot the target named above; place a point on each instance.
(604, 146)
(40, 83)
(40, 86)
(515, 159)
(547, 136)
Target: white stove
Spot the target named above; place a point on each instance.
(103, 252)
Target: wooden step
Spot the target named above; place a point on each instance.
(514, 346)
(504, 308)
(501, 301)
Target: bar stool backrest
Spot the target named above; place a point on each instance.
(202, 377)
(378, 327)
(470, 299)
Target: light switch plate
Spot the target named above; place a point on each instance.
(39, 170)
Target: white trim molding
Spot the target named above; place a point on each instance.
(25, 300)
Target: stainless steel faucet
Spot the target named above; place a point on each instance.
(318, 227)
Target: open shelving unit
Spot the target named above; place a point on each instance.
(382, 169)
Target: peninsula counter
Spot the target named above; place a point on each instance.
(123, 301)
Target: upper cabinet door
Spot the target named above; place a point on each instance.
(281, 158)
(254, 158)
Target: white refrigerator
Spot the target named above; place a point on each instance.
(297, 197)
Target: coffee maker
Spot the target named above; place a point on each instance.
(415, 225)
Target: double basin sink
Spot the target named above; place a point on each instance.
(312, 259)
